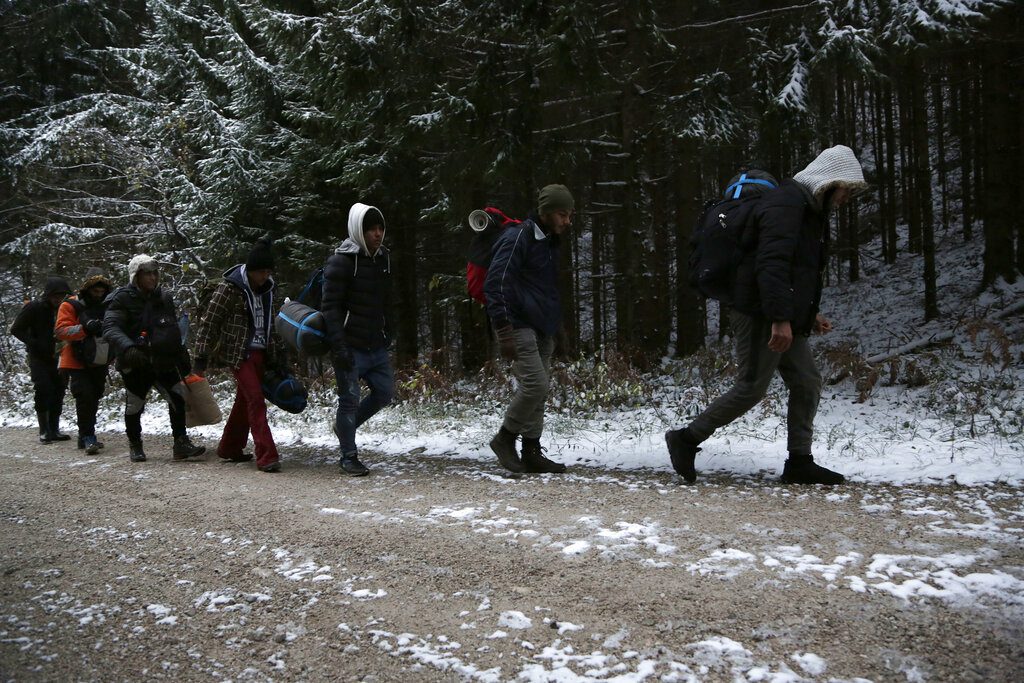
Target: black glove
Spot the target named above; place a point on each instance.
(135, 358)
(94, 327)
(506, 342)
(200, 364)
(341, 358)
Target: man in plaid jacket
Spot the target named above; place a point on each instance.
(236, 331)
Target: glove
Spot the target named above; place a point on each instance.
(94, 327)
(134, 357)
(506, 342)
(200, 364)
(342, 358)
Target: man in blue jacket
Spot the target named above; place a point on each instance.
(523, 304)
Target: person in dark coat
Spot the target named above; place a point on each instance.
(523, 304)
(777, 297)
(80, 326)
(357, 311)
(236, 331)
(33, 326)
(141, 325)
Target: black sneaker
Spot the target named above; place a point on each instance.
(271, 467)
(91, 445)
(801, 469)
(504, 446)
(682, 453)
(184, 448)
(351, 466)
(135, 452)
(535, 462)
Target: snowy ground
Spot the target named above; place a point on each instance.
(440, 568)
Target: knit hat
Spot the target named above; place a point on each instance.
(56, 285)
(553, 198)
(141, 262)
(372, 217)
(261, 257)
(835, 167)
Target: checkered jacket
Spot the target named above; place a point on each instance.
(224, 330)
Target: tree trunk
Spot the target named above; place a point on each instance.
(691, 314)
(923, 184)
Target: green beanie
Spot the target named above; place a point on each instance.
(554, 198)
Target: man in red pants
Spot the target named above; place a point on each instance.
(235, 331)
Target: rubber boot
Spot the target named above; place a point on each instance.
(55, 433)
(135, 451)
(44, 426)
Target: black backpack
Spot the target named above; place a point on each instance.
(716, 246)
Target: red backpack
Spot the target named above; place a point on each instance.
(481, 250)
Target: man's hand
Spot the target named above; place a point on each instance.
(822, 325)
(94, 327)
(782, 337)
(506, 342)
(135, 358)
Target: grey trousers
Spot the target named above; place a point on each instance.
(757, 365)
(532, 368)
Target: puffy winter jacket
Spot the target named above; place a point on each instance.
(780, 276)
(33, 325)
(124, 321)
(71, 319)
(522, 281)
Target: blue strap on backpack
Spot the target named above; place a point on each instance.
(737, 187)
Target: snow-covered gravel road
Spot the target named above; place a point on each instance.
(439, 569)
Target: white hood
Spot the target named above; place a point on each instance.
(355, 242)
(836, 166)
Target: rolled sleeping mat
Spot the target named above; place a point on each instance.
(303, 328)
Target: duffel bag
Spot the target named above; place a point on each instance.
(302, 328)
(284, 391)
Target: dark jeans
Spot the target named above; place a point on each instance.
(757, 366)
(48, 384)
(137, 383)
(249, 413)
(373, 367)
(87, 386)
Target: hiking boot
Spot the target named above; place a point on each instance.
(135, 452)
(535, 462)
(682, 451)
(504, 446)
(91, 445)
(184, 448)
(801, 469)
(351, 466)
(82, 444)
(269, 467)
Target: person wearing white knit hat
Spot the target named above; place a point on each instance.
(776, 299)
(141, 325)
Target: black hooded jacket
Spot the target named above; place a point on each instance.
(785, 249)
(34, 324)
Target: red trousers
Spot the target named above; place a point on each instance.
(249, 413)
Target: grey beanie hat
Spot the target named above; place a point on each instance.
(554, 198)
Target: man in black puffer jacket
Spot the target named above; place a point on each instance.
(357, 311)
(141, 324)
(34, 328)
(777, 296)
